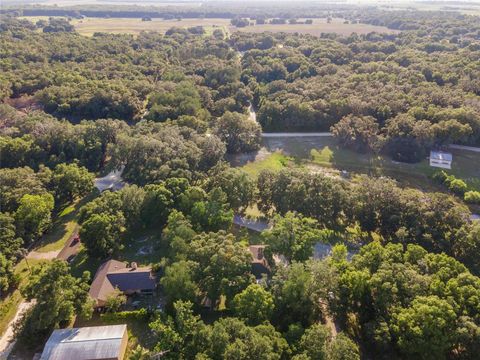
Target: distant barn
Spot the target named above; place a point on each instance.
(441, 159)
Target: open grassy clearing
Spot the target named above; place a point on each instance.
(324, 152)
(318, 27)
(275, 161)
(63, 227)
(89, 26)
(417, 175)
(62, 230)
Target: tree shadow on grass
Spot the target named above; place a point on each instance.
(64, 226)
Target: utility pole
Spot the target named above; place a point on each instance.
(25, 254)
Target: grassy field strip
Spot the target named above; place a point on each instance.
(275, 161)
(324, 152)
(54, 241)
(62, 230)
(9, 305)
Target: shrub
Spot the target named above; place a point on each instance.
(440, 177)
(140, 314)
(458, 186)
(472, 197)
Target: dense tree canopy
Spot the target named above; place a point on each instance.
(59, 296)
(165, 110)
(424, 304)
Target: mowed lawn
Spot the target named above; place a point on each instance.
(419, 175)
(324, 152)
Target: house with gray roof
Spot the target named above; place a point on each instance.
(87, 343)
(116, 274)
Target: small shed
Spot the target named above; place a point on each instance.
(441, 159)
(87, 343)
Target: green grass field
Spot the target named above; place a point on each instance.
(64, 226)
(418, 175)
(62, 229)
(324, 152)
(275, 161)
(89, 26)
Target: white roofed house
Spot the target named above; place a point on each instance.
(87, 343)
(441, 159)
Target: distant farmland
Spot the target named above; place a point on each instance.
(319, 26)
(89, 26)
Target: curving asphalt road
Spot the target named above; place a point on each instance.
(463, 147)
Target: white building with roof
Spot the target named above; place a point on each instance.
(441, 159)
(112, 181)
(87, 343)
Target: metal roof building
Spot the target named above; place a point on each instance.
(87, 343)
(112, 181)
(441, 159)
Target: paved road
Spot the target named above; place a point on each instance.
(6, 345)
(296, 134)
(463, 147)
(70, 249)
